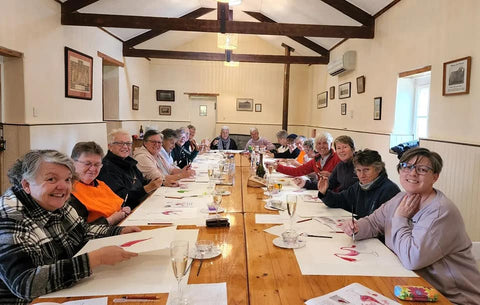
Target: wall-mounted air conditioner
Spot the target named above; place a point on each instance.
(342, 64)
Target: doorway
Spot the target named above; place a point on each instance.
(203, 115)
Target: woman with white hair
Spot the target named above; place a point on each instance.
(323, 163)
(224, 142)
(41, 233)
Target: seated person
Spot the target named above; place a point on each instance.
(256, 140)
(299, 144)
(166, 164)
(425, 230)
(323, 163)
(224, 142)
(151, 164)
(120, 171)
(292, 150)
(41, 233)
(369, 193)
(93, 200)
(343, 175)
(191, 144)
(281, 145)
(308, 147)
(182, 157)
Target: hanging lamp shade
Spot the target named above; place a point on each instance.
(227, 41)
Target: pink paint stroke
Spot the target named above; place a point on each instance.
(133, 242)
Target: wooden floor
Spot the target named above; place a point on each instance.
(257, 272)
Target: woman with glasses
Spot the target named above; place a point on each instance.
(425, 230)
(93, 200)
(151, 164)
(120, 171)
(372, 189)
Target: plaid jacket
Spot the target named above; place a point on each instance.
(37, 247)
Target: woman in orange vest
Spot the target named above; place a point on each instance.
(93, 199)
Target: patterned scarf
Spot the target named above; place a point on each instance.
(223, 144)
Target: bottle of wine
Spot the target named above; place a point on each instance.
(260, 168)
(140, 134)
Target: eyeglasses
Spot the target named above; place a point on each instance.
(123, 143)
(155, 142)
(89, 164)
(420, 169)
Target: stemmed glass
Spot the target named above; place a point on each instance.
(211, 169)
(291, 207)
(179, 258)
(217, 200)
(270, 186)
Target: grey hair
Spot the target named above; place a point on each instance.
(308, 143)
(324, 135)
(27, 166)
(225, 128)
(282, 134)
(253, 129)
(114, 133)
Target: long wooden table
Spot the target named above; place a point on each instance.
(257, 272)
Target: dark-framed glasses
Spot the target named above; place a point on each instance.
(89, 164)
(122, 143)
(420, 169)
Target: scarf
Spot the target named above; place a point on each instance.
(223, 144)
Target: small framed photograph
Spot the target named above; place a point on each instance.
(244, 104)
(78, 75)
(203, 110)
(135, 97)
(343, 109)
(166, 95)
(322, 100)
(332, 93)
(344, 90)
(258, 107)
(361, 84)
(377, 108)
(164, 110)
(456, 76)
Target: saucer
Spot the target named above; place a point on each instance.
(206, 210)
(216, 251)
(279, 243)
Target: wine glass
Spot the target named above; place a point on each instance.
(179, 258)
(210, 171)
(270, 186)
(217, 200)
(291, 207)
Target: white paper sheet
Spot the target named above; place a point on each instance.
(138, 242)
(204, 294)
(149, 272)
(95, 301)
(374, 258)
(271, 218)
(352, 294)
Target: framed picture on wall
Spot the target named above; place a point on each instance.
(361, 84)
(165, 95)
(258, 107)
(344, 90)
(244, 104)
(343, 109)
(377, 108)
(322, 100)
(78, 75)
(332, 92)
(135, 97)
(456, 76)
(164, 110)
(203, 110)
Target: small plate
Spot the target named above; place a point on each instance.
(279, 243)
(206, 210)
(269, 207)
(216, 251)
(225, 193)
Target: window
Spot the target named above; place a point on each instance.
(422, 100)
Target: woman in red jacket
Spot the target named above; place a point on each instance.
(323, 163)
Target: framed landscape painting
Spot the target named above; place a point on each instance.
(78, 75)
(344, 90)
(244, 104)
(322, 100)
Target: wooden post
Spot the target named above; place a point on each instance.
(286, 87)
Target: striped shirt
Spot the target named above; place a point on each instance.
(37, 247)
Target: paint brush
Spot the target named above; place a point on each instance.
(353, 228)
(124, 203)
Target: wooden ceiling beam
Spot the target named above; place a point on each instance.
(71, 6)
(153, 33)
(301, 40)
(352, 11)
(278, 59)
(200, 25)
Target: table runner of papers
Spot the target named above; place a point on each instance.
(149, 272)
(354, 294)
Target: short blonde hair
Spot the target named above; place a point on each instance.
(114, 133)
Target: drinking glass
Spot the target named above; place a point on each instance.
(179, 258)
(291, 207)
(211, 168)
(270, 187)
(217, 200)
